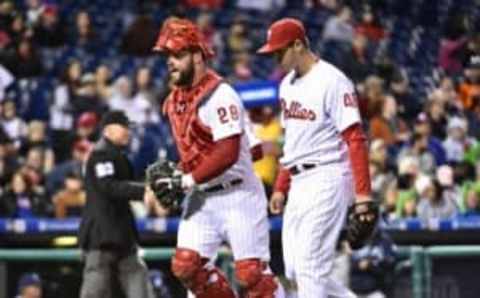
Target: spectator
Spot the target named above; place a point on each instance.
(84, 35)
(404, 197)
(34, 169)
(436, 115)
(386, 125)
(30, 286)
(37, 139)
(370, 27)
(472, 203)
(267, 128)
(103, 76)
(238, 39)
(373, 267)
(473, 118)
(138, 109)
(433, 204)
(448, 96)
(54, 179)
(13, 125)
(422, 127)
(470, 89)
(21, 200)
(87, 98)
(356, 63)
(87, 127)
(140, 37)
(18, 31)
(25, 62)
(457, 141)
(50, 31)
(6, 79)
(72, 195)
(62, 110)
(35, 9)
(372, 94)
(472, 48)
(452, 45)
(450, 190)
(408, 105)
(242, 72)
(213, 37)
(339, 27)
(7, 12)
(8, 160)
(406, 204)
(145, 91)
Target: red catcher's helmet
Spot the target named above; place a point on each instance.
(181, 34)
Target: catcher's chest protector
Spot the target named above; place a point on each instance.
(194, 140)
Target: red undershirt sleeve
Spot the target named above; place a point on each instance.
(224, 155)
(358, 153)
(282, 183)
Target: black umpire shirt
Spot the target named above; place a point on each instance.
(107, 220)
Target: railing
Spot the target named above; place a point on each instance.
(420, 257)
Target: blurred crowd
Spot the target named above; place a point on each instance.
(424, 148)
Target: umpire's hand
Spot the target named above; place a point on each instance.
(277, 202)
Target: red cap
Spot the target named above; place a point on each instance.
(87, 119)
(50, 10)
(181, 34)
(282, 33)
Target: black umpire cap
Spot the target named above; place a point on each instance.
(115, 117)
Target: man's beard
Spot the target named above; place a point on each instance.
(185, 78)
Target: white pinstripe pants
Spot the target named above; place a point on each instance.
(314, 215)
(237, 216)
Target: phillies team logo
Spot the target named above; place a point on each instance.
(297, 111)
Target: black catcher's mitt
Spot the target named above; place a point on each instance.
(362, 220)
(166, 183)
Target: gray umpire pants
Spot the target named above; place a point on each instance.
(101, 266)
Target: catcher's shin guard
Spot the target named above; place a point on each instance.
(251, 277)
(189, 268)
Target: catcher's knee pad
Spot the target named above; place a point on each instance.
(189, 268)
(257, 284)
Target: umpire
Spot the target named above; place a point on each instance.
(108, 235)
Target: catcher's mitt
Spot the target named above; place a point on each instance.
(362, 220)
(165, 181)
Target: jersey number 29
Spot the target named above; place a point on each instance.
(227, 114)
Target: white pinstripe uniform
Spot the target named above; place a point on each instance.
(237, 215)
(316, 108)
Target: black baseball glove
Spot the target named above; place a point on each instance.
(362, 221)
(166, 183)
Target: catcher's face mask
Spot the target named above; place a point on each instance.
(178, 35)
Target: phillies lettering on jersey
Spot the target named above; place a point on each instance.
(324, 97)
(296, 111)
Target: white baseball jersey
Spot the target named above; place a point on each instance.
(316, 108)
(237, 215)
(224, 114)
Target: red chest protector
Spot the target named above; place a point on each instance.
(194, 140)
